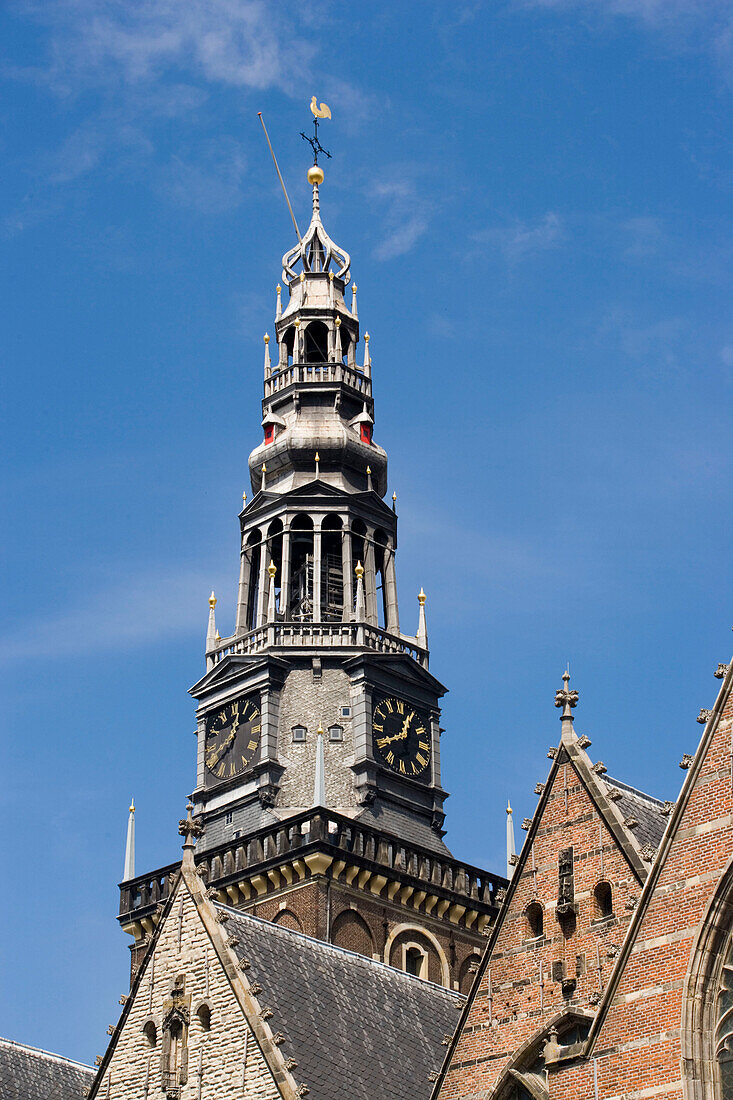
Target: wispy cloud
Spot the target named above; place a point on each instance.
(522, 239)
(140, 610)
(406, 212)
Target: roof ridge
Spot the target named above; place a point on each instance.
(634, 790)
(271, 926)
(46, 1054)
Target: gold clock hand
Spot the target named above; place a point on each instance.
(222, 749)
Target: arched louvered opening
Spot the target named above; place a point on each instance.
(380, 562)
(316, 343)
(301, 582)
(253, 553)
(332, 570)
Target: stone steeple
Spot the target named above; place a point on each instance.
(318, 718)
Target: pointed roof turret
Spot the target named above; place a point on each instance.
(130, 845)
(566, 699)
(511, 850)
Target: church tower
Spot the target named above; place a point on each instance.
(318, 772)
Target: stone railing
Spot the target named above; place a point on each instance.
(318, 636)
(439, 879)
(300, 373)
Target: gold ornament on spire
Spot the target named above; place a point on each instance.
(132, 806)
(212, 600)
(421, 597)
(324, 111)
(320, 729)
(272, 569)
(359, 570)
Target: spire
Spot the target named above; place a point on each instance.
(319, 781)
(278, 303)
(354, 312)
(263, 471)
(316, 252)
(211, 632)
(359, 609)
(268, 365)
(510, 849)
(129, 871)
(566, 699)
(422, 626)
(271, 607)
(367, 356)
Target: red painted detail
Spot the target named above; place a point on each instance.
(269, 433)
(366, 432)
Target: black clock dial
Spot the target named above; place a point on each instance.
(233, 737)
(401, 737)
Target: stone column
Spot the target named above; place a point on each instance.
(370, 580)
(317, 543)
(263, 586)
(285, 574)
(348, 569)
(390, 582)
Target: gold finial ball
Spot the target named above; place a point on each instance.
(315, 175)
(272, 569)
(267, 338)
(359, 570)
(319, 731)
(421, 598)
(212, 601)
(367, 337)
(337, 322)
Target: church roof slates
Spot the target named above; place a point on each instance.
(27, 1073)
(353, 1026)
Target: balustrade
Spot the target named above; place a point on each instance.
(304, 373)
(318, 635)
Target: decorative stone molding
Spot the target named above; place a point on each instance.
(704, 716)
(584, 741)
(666, 809)
(539, 788)
(527, 823)
(686, 761)
(552, 752)
(599, 768)
(648, 853)
(721, 671)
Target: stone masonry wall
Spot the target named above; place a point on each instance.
(309, 701)
(228, 1057)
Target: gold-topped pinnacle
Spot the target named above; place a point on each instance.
(267, 338)
(320, 729)
(359, 570)
(369, 469)
(279, 289)
(315, 175)
(394, 496)
(318, 457)
(330, 276)
(218, 637)
(421, 597)
(354, 288)
(264, 468)
(272, 569)
(244, 499)
(337, 322)
(212, 600)
(132, 806)
(367, 337)
(297, 322)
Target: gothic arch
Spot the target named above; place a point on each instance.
(524, 1075)
(351, 931)
(420, 933)
(467, 973)
(704, 983)
(286, 918)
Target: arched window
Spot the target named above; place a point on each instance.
(316, 343)
(301, 581)
(332, 570)
(288, 344)
(603, 897)
(380, 561)
(151, 1033)
(351, 931)
(358, 548)
(535, 921)
(275, 555)
(252, 552)
(203, 1012)
(416, 961)
(286, 918)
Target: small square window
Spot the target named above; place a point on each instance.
(335, 733)
(299, 733)
(346, 712)
(228, 817)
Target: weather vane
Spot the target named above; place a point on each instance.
(324, 111)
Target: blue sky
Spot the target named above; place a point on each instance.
(537, 200)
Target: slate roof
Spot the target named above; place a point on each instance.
(405, 825)
(27, 1073)
(644, 808)
(355, 1027)
(245, 820)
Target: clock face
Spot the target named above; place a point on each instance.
(401, 737)
(233, 737)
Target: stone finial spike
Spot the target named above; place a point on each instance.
(360, 607)
(510, 846)
(211, 632)
(330, 289)
(271, 605)
(318, 465)
(319, 782)
(566, 699)
(369, 478)
(264, 478)
(268, 364)
(244, 500)
(367, 356)
(422, 626)
(278, 303)
(130, 845)
(189, 828)
(394, 502)
(338, 351)
(354, 312)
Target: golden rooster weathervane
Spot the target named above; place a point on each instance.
(324, 111)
